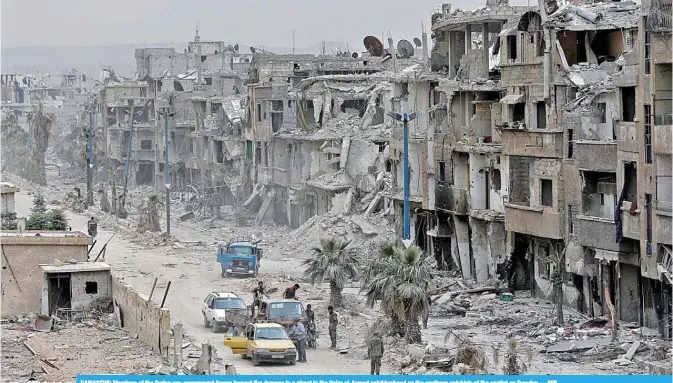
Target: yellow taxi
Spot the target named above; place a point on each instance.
(262, 342)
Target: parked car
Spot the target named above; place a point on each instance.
(262, 342)
(218, 306)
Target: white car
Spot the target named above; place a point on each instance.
(215, 308)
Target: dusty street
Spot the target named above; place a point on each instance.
(194, 272)
(190, 265)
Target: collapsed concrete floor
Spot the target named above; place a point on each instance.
(188, 261)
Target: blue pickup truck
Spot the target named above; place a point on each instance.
(240, 257)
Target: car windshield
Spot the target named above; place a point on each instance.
(230, 303)
(245, 250)
(286, 310)
(271, 333)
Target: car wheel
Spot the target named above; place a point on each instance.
(205, 321)
(255, 361)
(293, 362)
(244, 356)
(216, 328)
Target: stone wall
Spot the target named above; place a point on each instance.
(141, 317)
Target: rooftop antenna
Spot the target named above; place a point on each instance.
(197, 38)
(293, 41)
(424, 42)
(393, 54)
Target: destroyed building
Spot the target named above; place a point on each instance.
(544, 154)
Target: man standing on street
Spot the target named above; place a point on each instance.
(258, 294)
(299, 333)
(333, 321)
(375, 351)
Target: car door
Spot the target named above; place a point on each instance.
(238, 344)
(208, 307)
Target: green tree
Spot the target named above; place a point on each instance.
(334, 263)
(9, 220)
(57, 220)
(39, 205)
(400, 280)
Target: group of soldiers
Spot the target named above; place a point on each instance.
(298, 332)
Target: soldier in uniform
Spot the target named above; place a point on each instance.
(333, 321)
(93, 227)
(375, 351)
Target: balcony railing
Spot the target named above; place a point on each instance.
(663, 119)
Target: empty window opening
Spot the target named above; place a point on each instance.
(574, 46)
(203, 58)
(631, 181)
(511, 47)
(541, 44)
(599, 194)
(541, 110)
(546, 193)
(354, 107)
(602, 117)
(145, 144)
(571, 226)
(628, 103)
(219, 153)
(648, 209)
(648, 133)
(607, 45)
(258, 153)
(496, 180)
(648, 48)
(91, 287)
(209, 80)
(518, 112)
(570, 143)
(442, 172)
(546, 268)
(289, 103)
(259, 112)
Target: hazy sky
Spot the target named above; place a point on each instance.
(248, 22)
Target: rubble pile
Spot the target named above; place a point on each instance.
(364, 233)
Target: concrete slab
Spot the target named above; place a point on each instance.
(577, 345)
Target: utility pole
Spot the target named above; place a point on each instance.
(167, 174)
(166, 114)
(293, 41)
(128, 157)
(89, 170)
(405, 118)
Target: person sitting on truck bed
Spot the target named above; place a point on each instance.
(258, 293)
(290, 292)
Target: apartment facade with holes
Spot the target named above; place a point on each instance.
(654, 121)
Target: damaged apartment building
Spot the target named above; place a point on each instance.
(316, 138)
(203, 89)
(547, 140)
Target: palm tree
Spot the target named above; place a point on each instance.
(400, 280)
(332, 262)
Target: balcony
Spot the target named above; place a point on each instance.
(541, 143)
(599, 156)
(662, 135)
(536, 221)
(663, 221)
(452, 199)
(597, 232)
(631, 225)
(627, 139)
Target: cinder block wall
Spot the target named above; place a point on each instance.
(138, 316)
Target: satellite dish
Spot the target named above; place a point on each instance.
(230, 47)
(405, 49)
(236, 48)
(418, 42)
(354, 55)
(374, 46)
(252, 50)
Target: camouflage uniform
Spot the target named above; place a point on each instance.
(375, 351)
(333, 321)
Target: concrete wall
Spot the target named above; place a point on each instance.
(138, 316)
(21, 273)
(532, 143)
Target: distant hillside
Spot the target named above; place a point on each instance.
(90, 59)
